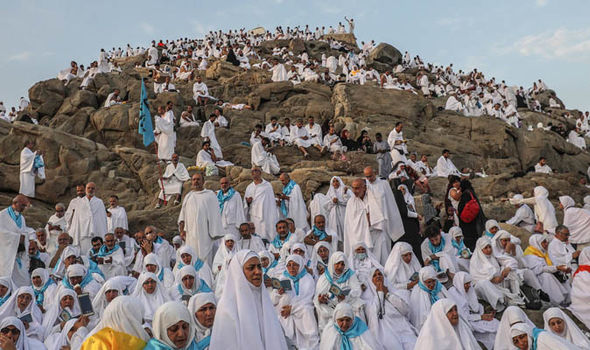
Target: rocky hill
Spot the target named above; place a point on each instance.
(84, 142)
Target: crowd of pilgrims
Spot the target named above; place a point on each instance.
(359, 267)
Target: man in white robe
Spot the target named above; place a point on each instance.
(273, 130)
(172, 180)
(165, 133)
(200, 220)
(561, 252)
(113, 99)
(111, 258)
(89, 219)
(279, 73)
(524, 216)
(207, 160)
(200, 92)
(453, 104)
(315, 132)
(231, 207)
(249, 239)
(396, 139)
(300, 137)
(116, 215)
(31, 165)
(291, 203)
(264, 159)
(14, 251)
(444, 165)
(152, 56)
(393, 226)
(260, 205)
(542, 167)
(208, 134)
(55, 226)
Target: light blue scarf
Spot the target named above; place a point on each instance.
(433, 293)
(17, 218)
(222, 198)
(277, 243)
(287, 191)
(321, 235)
(358, 327)
(295, 279)
(103, 252)
(433, 249)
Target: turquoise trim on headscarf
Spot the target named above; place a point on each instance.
(287, 191)
(204, 288)
(201, 344)
(221, 198)
(321, 235)
(433, 293)
(197, 265)
(277, 243)
(274, 264)
(356, 330)
(486, 233)
(434, 250)
(93, 268)
(295, 279)
(103, 252)
(87, 279)
(17, 218)
(40, 294)
(3, 299)
(536, 333)
(159, 240)
(155, 344)
(345, 276)
(459, 246)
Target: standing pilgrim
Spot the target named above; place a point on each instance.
(392, 222)
(15, 244)
(31, 165)
(89, 219)
(260, 205)
(335, 206)
(208, 134)
(174, 177)
(116, 215)
(230, 206)
(165, 133)
(291, 202)
(200, 219)
(544, 210)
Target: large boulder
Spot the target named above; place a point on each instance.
(46, 97)
(384, 57)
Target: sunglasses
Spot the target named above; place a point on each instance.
(14, 331)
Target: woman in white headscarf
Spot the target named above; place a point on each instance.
(544, 210)
(320, 256)
(388, 314)
(577, 220)
(511, 316)
(151, 263)
(62, 310)
(77, 275)
(490, 281)
(462, 253)
(347, 331)
(338, 274)
(13, 335)
(484, 326)
(492, 228)
(581, 288)
(202, 308)
(187, 284)
(337, 197)
(428, 292)
(525, 337)
(120, 327)
(227, 247)
(21, 303)
(245, 317)
(172, 327)
(151, 293)
(402, 268)
(537, 260)
(6, 289)
(72, 335)
(44, 288)
(186, 255)
(445, 329)
(362, 262)
(557, 322)
(111, 289)
(295, 307)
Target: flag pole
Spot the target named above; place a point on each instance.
(160, 173)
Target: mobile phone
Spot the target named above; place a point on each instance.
(85, 304)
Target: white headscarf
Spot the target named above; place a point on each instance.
(336, 193)
(6, 281)
(150, 302)
(315, 257)
(124, 314)
(545, 340)
(511, 316)
(61, 339)
(245, 317)
(168, 315)
(152, 259)
(577, 220)
(195, 303)
(10, 308)
(483, 267)
(331, 337)
(222, 252)
(438, 332)
(490, 224)
(396, 269)
(23, 342)
(544, 210)
(460, 296)
(363, 266)
(571, 332)
(408, 198)
(188, 270)
(50, 318)
(99, 303)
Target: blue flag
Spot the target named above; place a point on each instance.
(145, 118)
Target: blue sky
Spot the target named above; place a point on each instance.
(517, 41)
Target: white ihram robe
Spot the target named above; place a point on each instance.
(10, 234)
(88, 220)
(263, 209)
(167, 138)
(118, 219)
(28, 172)
(265, 160)
(208, 131)
(296, 137)
(202, 222)
(173, 179)
(296, 208)
(336, 211)
(232, 215)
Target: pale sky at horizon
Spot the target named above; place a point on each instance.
(515, 41)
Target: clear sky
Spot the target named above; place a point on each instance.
(517, 41)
